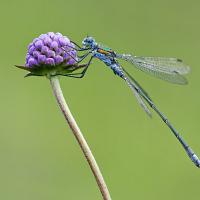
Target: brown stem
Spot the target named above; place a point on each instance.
(79, 137)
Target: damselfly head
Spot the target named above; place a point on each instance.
(88, 42)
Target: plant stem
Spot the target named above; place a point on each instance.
(79, 137)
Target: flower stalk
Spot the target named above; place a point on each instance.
(79, 137)
(52, 55)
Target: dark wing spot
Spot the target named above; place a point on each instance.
(179, 60)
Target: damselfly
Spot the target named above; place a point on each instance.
(168, 69)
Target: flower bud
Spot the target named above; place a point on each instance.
(50, 49)
(51, 54)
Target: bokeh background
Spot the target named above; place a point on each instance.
(138, 156)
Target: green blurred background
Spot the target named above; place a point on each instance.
(139, 157)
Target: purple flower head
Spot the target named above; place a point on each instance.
(51, 54)
(50, 49)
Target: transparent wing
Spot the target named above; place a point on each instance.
(137, 84)
(141, 102)
(133, 87)
(168, 69)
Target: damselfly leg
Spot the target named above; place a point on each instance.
(81, 74)
(78, 48)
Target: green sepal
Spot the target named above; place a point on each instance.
(46, 70)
